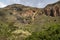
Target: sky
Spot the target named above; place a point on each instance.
(33, 3)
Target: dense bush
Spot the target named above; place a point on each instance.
(52, 33)
(5, 30)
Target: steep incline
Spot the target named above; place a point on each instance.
(18, 22)
(26, 14)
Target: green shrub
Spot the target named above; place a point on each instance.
(52, 33)
(5, 30)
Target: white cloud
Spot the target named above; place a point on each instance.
(36, 3)
(39, 5)
(2, 5)
(33, 3)
(45, 3)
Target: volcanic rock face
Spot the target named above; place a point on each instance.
(53, 9)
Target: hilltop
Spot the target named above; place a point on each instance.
(18, 21)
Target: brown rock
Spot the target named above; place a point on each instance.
(52, 9)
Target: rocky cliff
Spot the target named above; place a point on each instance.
(50, 9)
(26, 14)
(53, 9)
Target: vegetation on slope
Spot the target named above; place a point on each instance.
(52, 33)
(18, 22)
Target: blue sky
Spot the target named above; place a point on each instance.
(33, 3)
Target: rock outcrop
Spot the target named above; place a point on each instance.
(53, 9)
(26, 14)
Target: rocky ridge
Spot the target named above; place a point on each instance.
(26, 14)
